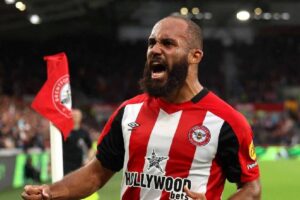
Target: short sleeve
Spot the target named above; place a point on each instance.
(236, 153)
(110, 148)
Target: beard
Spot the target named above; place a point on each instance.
(162, 88)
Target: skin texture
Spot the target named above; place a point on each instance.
(76, 185)
(248, 191)
(168, 44)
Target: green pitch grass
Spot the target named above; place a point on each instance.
(280, 181)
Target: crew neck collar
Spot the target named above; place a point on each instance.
(173, 107)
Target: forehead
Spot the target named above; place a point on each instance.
(169, 28)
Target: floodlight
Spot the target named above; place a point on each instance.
(10, 1)
(243, 15)
(35, 19)
(20, 6)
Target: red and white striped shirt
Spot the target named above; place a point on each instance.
(161, 147)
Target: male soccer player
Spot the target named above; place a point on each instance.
(176, 141)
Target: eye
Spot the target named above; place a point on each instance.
(167, 42)
(151, 42)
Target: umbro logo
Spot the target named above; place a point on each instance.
(132, 125)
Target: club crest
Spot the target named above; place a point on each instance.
(199, 135)
(61, 96)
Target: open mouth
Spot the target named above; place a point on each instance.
(156, 68)
(158, 71)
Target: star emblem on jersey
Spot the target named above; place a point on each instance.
(199, 135)
(154, 161)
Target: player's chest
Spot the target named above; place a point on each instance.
(186, 133)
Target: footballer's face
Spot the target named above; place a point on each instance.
(166, 66)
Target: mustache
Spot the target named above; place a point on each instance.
(156, 59)
(176, 77)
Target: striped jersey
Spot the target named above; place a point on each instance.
(162, 147)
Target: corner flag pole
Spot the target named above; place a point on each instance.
(54, 102)
(57, 170)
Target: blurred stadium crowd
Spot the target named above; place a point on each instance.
(106, 71)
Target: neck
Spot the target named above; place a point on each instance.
(185, 93)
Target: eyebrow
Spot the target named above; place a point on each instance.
(151, 39)
(166, 39)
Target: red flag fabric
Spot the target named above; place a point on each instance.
(54, 99)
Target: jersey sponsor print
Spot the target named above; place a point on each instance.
(162, 147)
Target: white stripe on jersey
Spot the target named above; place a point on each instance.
(130, 115)
(200, 169)
(162, 134)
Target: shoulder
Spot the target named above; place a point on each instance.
(141, 98)
(137, 99)
(226, 112)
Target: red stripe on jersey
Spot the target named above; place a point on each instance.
(215, 184)
(181, 154)
(138, 145)
(241, 129)
(108, 124)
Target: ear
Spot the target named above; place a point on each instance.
(195, 56)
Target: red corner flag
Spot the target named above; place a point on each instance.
(54, 99)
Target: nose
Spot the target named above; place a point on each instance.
(155, 50)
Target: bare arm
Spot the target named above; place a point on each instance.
(248, 191)
(76, 185)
